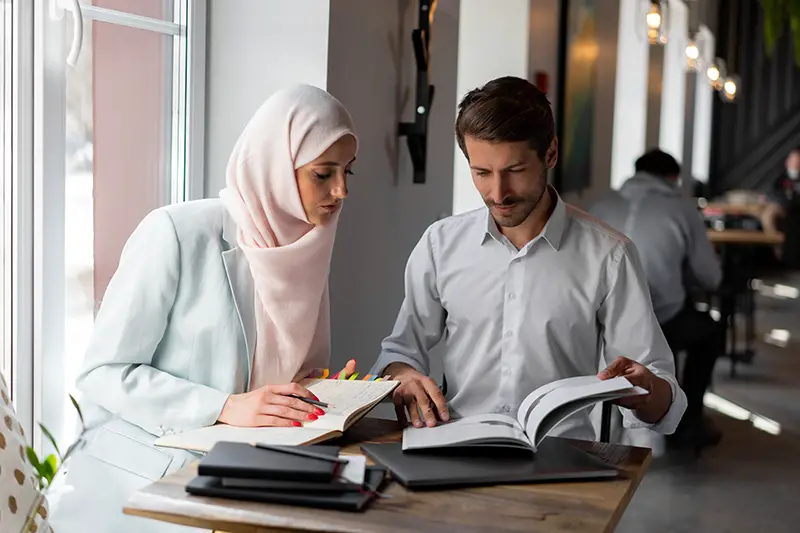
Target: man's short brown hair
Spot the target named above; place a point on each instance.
(507, 109)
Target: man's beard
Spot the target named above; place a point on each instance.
(521, 208)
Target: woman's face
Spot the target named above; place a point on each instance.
(323, 182)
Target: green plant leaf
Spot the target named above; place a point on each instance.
(50, 467)
(51, 439)
(773, 22)
(794, 23)
(33, 459)
(78, 408)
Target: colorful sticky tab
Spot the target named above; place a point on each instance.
(340, 375)
(325, 373)
(353, 376)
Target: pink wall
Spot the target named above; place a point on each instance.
(129, 76)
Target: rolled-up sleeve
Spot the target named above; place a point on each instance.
(421, 321)
(630, 329)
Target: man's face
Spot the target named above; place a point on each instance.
(510, 177)
(793, 160)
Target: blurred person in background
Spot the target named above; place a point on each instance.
(671, 238)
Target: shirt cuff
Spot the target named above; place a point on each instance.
(669, 422)
(387, 358)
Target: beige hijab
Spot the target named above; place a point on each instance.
(289, 257)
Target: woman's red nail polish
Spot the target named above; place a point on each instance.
(311, 416)
(296, 424)
(319, 412)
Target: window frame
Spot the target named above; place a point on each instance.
(35, 311)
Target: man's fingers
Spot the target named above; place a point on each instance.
(424, 402)
(616, 368)
(435, 394)
(400, 409)
(413, 412)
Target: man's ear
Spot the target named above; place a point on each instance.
(552, 154)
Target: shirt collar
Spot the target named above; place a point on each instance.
(553, 231)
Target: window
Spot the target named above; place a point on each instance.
(6, 37)
(116, 118)
(124, 96)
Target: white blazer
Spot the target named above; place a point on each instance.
(172, 340)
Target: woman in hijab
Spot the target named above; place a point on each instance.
(217, 308)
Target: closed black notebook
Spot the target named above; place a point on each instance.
(337, 485)
(555, 460)
(354, 500)
(240, 460)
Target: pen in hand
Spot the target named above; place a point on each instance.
(310, 401)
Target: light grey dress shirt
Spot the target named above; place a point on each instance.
(670, 236)
(564, 305)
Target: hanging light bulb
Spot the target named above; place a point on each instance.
(655, 20)
(730, 88)
(716, 74)
(692, 55)
(654, 17)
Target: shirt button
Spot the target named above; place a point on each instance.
(508, 333)
(512, 296)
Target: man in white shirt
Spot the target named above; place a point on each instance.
(676, 253)
(526, 290)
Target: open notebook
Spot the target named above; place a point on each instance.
(536, 417)
(350, 401)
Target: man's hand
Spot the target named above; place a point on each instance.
(416, 392)
(650, 408)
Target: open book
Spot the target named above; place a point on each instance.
(349, 400)
(537, 415)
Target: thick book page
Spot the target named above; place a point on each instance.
(542, 413)
(484, 430)
(203, 439)
(347, 398)
(535, 397)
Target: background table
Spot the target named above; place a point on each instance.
(579, 507)
(737, 249)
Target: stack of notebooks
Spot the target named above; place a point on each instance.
(313, 476)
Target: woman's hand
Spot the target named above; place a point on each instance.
(270, 405)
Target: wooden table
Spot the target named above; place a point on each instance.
(736, 248)
(752, 210)
(578, 507)
(745, 236)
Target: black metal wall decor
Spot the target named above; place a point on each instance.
(416, 133)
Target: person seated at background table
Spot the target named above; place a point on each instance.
(526, 290)
(217, 308)
(784, 191)
(671, 238)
